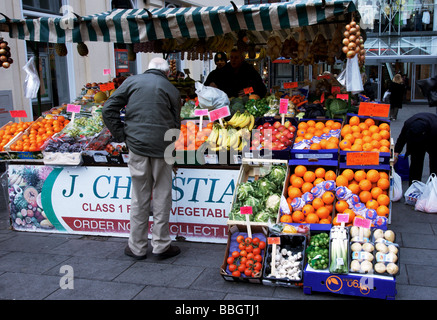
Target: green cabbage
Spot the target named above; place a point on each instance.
(277, 175)
(265, 187)
(244, 190)
(264, 216)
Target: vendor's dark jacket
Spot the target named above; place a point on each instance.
(232, 81)
(397, 94)
(418, 131)
(153, 106)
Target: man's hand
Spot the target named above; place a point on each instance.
(396, 155)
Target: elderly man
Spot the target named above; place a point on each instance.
(153, 107)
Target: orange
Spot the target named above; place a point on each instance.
(331, 145)
(306, 187)
(345, 130)
(315, 146)
(323, 143)
(363, 126)
(349, 137)
(383, 183)
(351, 214)
(357, 147)
(334, 221)
(376, 191)
(328, 197)
(298, 139)
(369, 122)
(330, 175)
(298, 217)
(365, 196)
(323, 213)
(312, 218)
(309, 176)
(345, 144)
(302, 125)
(383, 174)
(349, 174)
(384, 143)
(324, 221)
(318, 180)
(360, 175)
(320, 173)
(383, 211)
(367, 146)
(294, 192)
(376, 136)
(365, 185)
(373, 175)
(383, 199)
(336, 125)
(286, 218)
(307, 209)
(300, 170)
(354, 120)
(320, 125)
(354, 188)
(311, 123)
(329, 123)
(308, 136)
(341, 181)
(384, 134)
(372, 204)
(333, 140)
(341, 205)
(317, 203)
(300, 133)
(297, 182)
(384, 126)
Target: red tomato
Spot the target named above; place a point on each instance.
(236, 273)
(240, 239)
(232, 267)
(235, 254)
(243, 260)
(241, 246)
(250, 256)
(248, 240)
(230, 260)
(258, 266)
(255, 241)
(243, 253)
(249, 248)
(248, 272)
(256, 251)
(258, 258)
(241, 268)
(262, 245)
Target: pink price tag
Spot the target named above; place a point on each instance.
(18, 113)
(343, 96)
(106, 71)
(219, 113)
(283, 106)
(342, 217)
(290, 85)
(273, 240)
(361, 222)
(200, 112)
(246, 210)
(73, 108)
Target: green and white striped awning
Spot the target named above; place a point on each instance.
(141, 25)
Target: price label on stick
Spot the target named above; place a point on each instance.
(74, 108)
(247, 210)
(361, 222)
(106, 72)
(107, 86)
(342, 218)
(290, 85)
(283, 106)
(18, 113)
(200, 112)
(273, 240)
(248, 90)
(362, 158)
(219, 113)
(370, 109)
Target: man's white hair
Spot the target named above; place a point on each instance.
(160, 64)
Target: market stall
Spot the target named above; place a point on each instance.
(268, 176)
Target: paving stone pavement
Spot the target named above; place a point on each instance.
(31, 264)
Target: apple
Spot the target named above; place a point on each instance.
(260, 128)
(274, 131)
(286, 131)
(266, 125)
(255, 143)
(281, 128)
(283, 139)
(278, 135)
(292, 128)
(277, 124)
(290, 136)
(287, 123)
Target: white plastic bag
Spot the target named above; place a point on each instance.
(427, 202)
(413, 192)
(386, 97)
(396, 190)
(31, 83)
(211, 98)
(350, 77)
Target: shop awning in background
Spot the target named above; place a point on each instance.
(141, 25)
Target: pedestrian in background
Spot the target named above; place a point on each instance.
(419, 134)
(153, 107)
(397, 92)
(220, 60)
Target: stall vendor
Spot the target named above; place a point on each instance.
(238, 75)
(220, 61)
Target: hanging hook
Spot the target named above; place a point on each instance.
(235, 6)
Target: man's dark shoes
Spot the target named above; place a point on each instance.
(128, 252)
(170, 252)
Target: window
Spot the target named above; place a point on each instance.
(46, 6)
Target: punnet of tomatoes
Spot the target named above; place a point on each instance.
(246, 256)
(191, 137)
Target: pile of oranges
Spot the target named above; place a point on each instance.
(38, 133)
(372, 187)
(191, 138)
(302, 181)
(307, 130)
(9, 131)
(364, 135)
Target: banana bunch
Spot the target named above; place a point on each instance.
(16, 179)
(226, 138)
(242, 120)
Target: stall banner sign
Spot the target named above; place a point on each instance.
(96, 201)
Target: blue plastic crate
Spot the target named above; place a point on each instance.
(369, 286)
